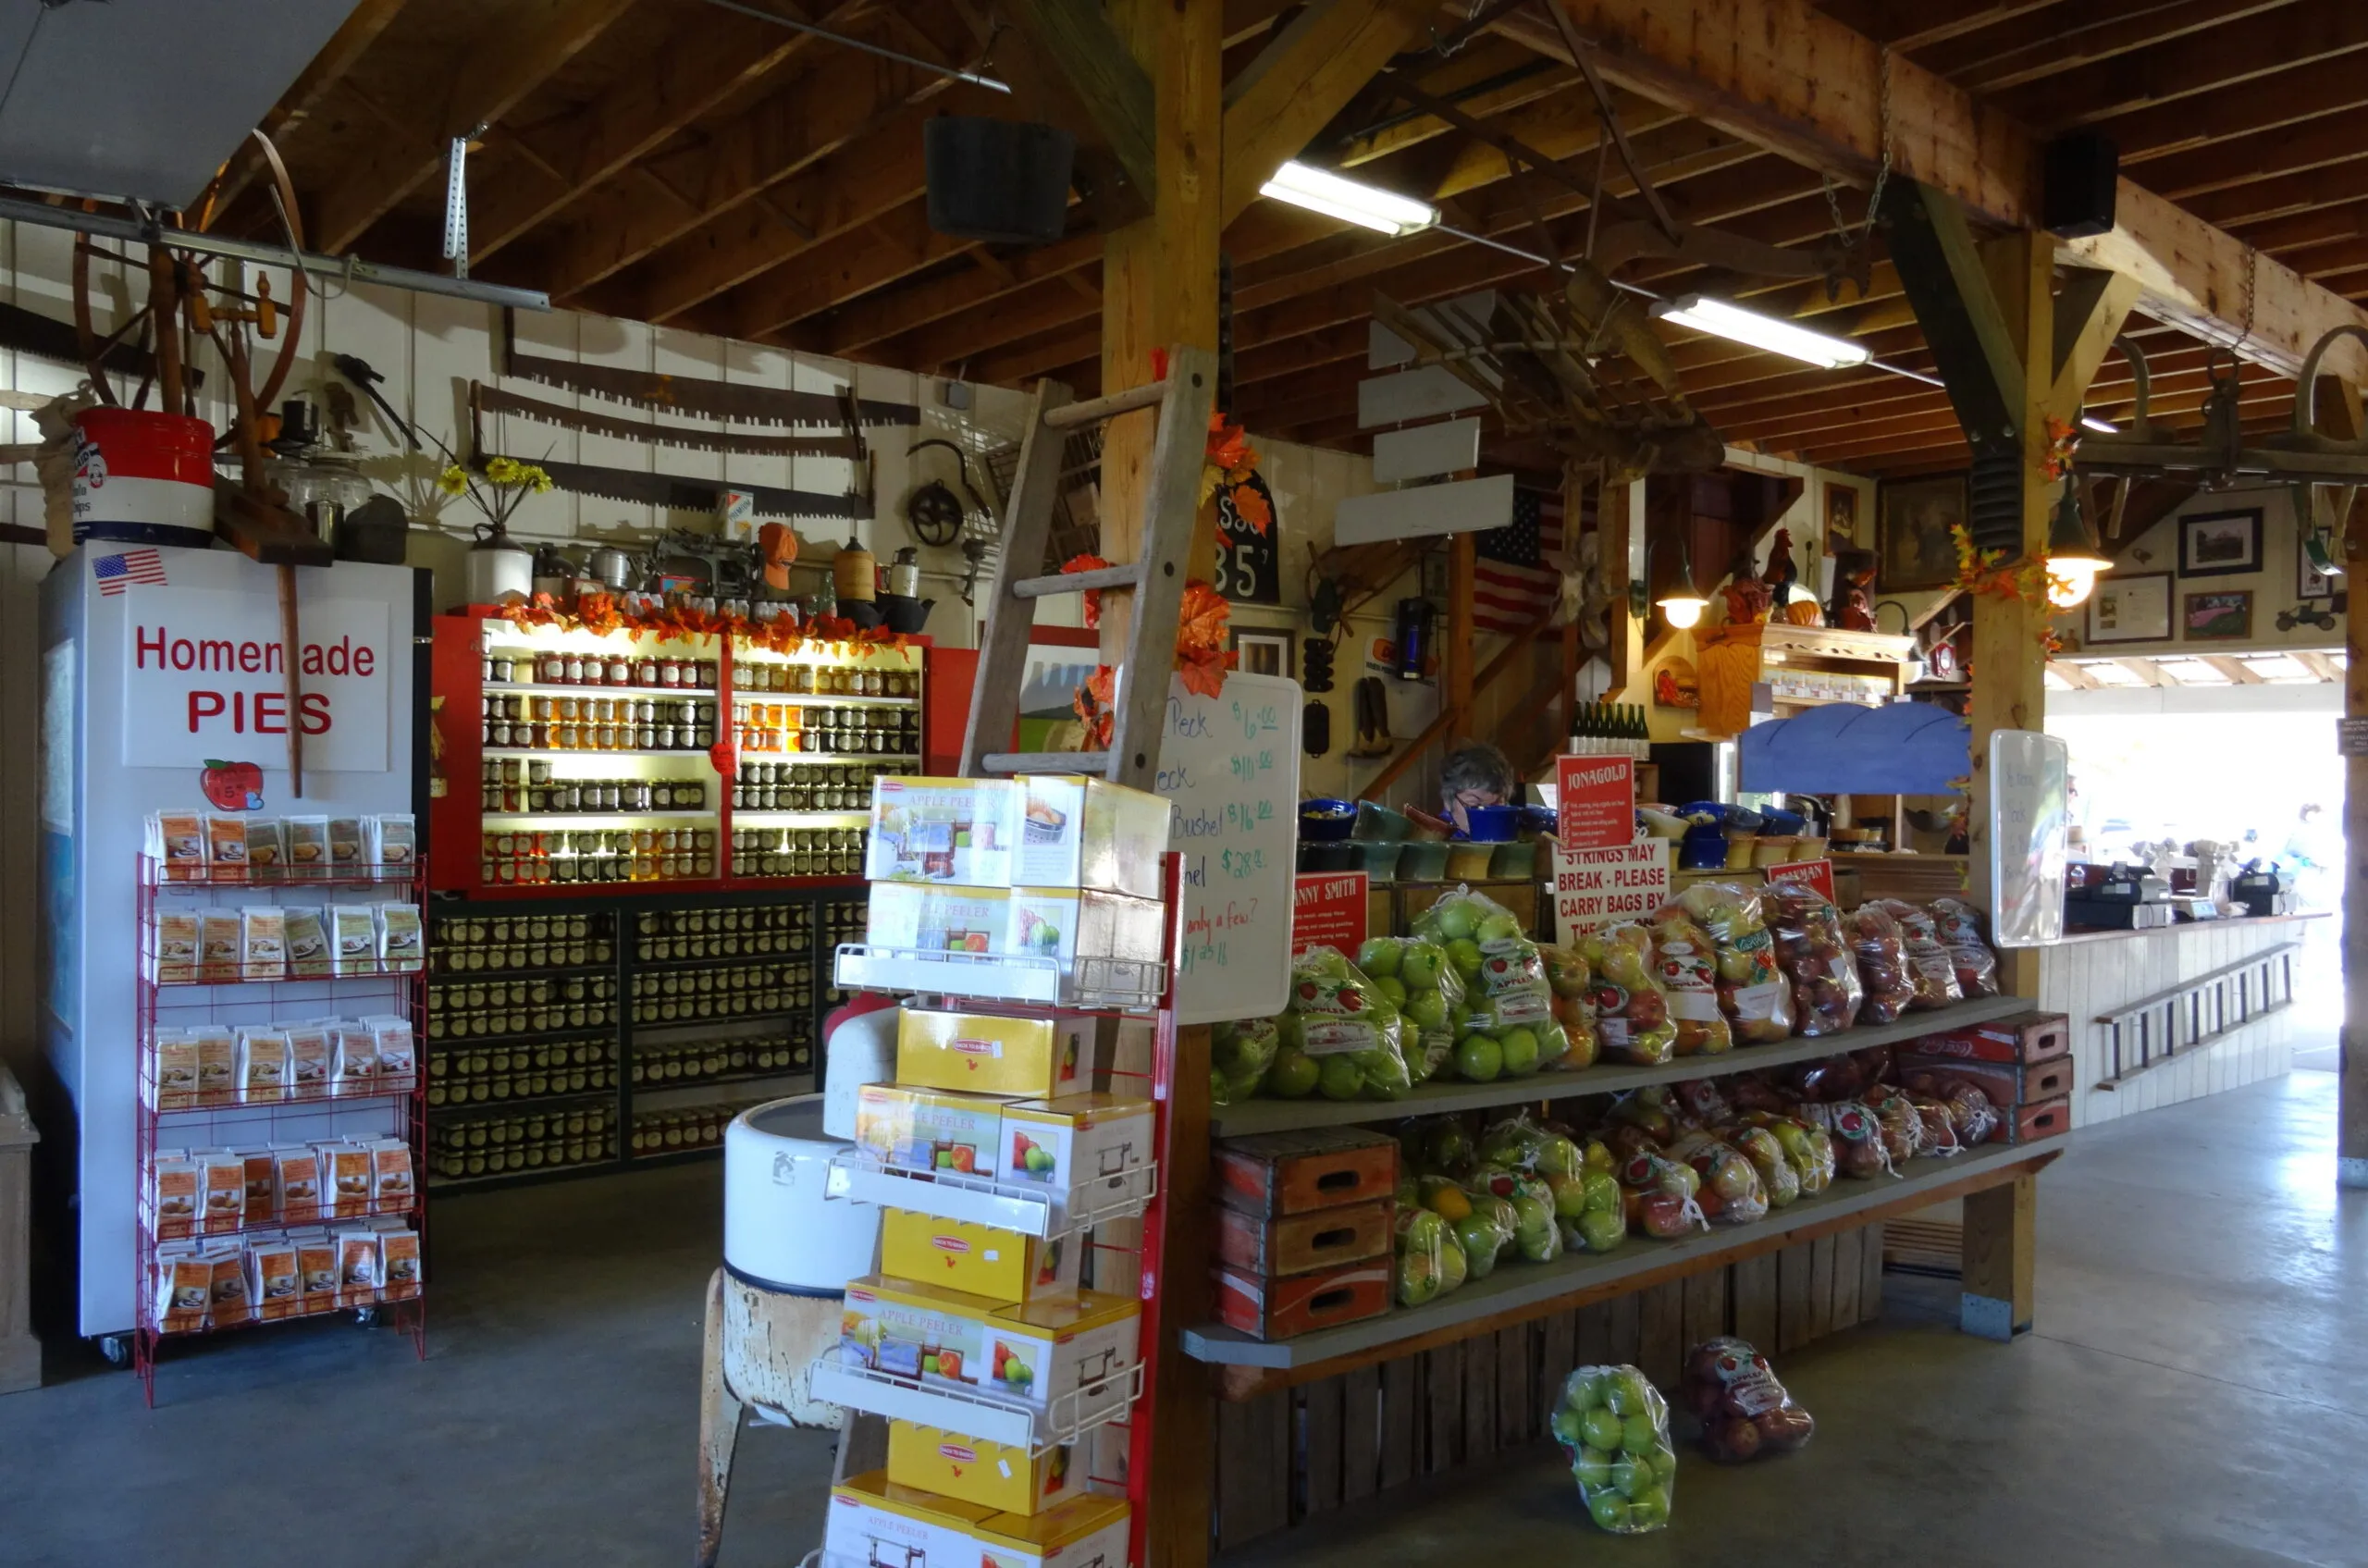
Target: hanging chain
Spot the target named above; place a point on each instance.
(1882, 169)
(2252, 286)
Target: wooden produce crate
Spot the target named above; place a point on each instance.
(2006, 1084)
(2027, 1039)
(1279, 1309)
(2046, 1118)
(1272, 1174)
(1302, 1243)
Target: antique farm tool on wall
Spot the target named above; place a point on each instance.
(495, 399)
(700, 394)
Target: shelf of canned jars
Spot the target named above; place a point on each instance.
(573, 760)
(617, 1030)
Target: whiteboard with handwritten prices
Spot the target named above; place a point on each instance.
(1230, 763)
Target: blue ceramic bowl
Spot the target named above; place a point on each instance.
(1494, 824)
(1325, 821)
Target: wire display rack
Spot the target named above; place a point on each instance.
(211, 1115)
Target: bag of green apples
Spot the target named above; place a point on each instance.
(1430, 1260)
(1490, 1046)
(1809, 1148)
(1348, 1028)
(1752, 989)
(1414, 973)
(1689, 972)
(1239, 1055)
(1535, 1234)
(1571, 979)
(1614, 1425)
(1504, 979)
(1631, 1009)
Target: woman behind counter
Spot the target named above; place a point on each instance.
(1474, 774)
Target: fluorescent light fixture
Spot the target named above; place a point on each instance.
(1720, 320)
(2101, 426)
(1321, 190)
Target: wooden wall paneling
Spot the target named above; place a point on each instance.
(1755, 1301)
(1847, 1267)
(1399, 1447)
(1557, 1353)
(1320, 1452)
(1623, 1342)
(1705, 1306)
(1442, 1408)
(1253, 1468)
(1360, 1433)
(1662, 1325)
(1870, 1275)
(1792, 1298)
(1516, 1379)
(1820, 1287)
(1591, 1335)
(1479, 1398)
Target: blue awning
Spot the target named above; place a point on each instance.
(1902, 748)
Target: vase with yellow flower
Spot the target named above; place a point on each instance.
(500, 569)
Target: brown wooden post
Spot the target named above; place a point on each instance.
(1615, 505)
(2339, 415)
(1575, 488)
(1457, 652)
(1159, 288)
(1998, 1256)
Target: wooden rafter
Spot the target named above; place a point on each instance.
(1089, 81)
(2287, 98)
(286, 118)
(2197, 64)
(2289, 150)
(1300, 80)
(516, 55)
(1921, 24)
(699, 69)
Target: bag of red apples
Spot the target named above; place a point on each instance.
(1745, 1412)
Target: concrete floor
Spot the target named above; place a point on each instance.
(2191, 1396)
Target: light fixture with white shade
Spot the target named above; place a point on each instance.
(2074, 559)
(2089, 422)
(1321, 190)
(1701, 314)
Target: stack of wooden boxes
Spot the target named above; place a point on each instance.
(2023, 1063)
(1306, 1224)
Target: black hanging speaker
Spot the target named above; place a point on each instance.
(2078, 176)
(1003, 180)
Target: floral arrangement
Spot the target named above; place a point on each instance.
(1230, 459)
(601, 614)
(1989, 572)
(1202, 660)
(506, 484)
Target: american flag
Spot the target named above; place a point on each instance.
(1514, 582)
(117, 572)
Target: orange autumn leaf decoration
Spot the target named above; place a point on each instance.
(1096, 705)
(1252, 507)
(1201, 658)
(601, 614)
(1092, 596)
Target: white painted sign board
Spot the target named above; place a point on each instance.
(1230, 763)
(1425, 451)
(203, 679)
(1594, 888)
(2029, 815)
(1414, 394)
(1458, 317)
(1460, 506)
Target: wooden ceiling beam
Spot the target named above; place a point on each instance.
(894, 246)
(690, 197)
(2287, 98)
(2063, 39)
(510, 60)
(2289, 150)
(888, 315)
(2197, 64)
(1306, 74)
(1489, 78)
(1083, 77)
(2304, 231)
(1919, 24)
(699, 69)
(2234, 207)
(1797, 82)
(286, 118)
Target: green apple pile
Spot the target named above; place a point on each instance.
(1343, 1027)
(1505, 1026)
(1614, 1425)
(1239, 1057)
(1415, 973)
(1589, 1207)
(1431, 1259)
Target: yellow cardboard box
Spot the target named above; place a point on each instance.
(973, 1470)
(929, 1130)
(986, 1053)
(1088, 1531)
(1002, 1265)
(874, 1521)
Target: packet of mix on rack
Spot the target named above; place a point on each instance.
(308, 1059)
(217, 1064)
(227, 1304)
(221, 937)
(263, 1066)
(222, 1192)
(392, 839)
(317, 1266)
(226, 849)
(357, 1267)
(266, 850)
(178, 935)
(176, 1070)
(353, 938)
(353, 1070)
(397, 1051)
(185, 1282)
(174, 1197)
(263, 1187)
(296, 1178)
(349, 1179)
(273, 1283)
(308, 944)
(307, 847)
(179, 842)
(399, 1263)
(390, 1175)
(345, 845)
(401, 947)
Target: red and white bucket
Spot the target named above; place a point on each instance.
(144, 476)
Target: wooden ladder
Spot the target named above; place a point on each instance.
(1157, 577)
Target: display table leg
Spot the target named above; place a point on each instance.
(1998, 1255)
(719, 1411)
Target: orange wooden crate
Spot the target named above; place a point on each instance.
(2006, 1084)
(2027, 1039)
(2029, 1124)
(1300, 1243)
(1277, 1309)
(1272, 1174)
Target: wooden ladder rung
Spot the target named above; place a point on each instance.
(1094, 408)
(1077, 582)
(1045, 761)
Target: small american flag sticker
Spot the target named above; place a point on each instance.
(117, 572)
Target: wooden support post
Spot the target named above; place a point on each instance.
(1457, 650)
(2339, 413)
(1618, 522)
(1573, 494)
(1998, 1255)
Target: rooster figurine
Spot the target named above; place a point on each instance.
(1783, 579)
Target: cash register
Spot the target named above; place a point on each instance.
(2115, 898)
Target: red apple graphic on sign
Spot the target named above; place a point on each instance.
(233, 786)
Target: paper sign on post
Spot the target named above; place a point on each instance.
(1328, 911)
(1817, 874)
(1598, 887)
(1594, 801)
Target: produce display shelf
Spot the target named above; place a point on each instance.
(1013, 1423)
(1517, 1285)
(1023, 1206)
(544, 688)
(697, 752)
(1430, 1099)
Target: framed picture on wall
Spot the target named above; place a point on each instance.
(2132, 608)
(1841, 517)
(2218, 617)
(1912, 532)
(1265, 653)
(2220, 544)
(2309, 581)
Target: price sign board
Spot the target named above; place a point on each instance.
(1329, 910)
(1817, 874)
(1598, 887)
(1594, 801)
